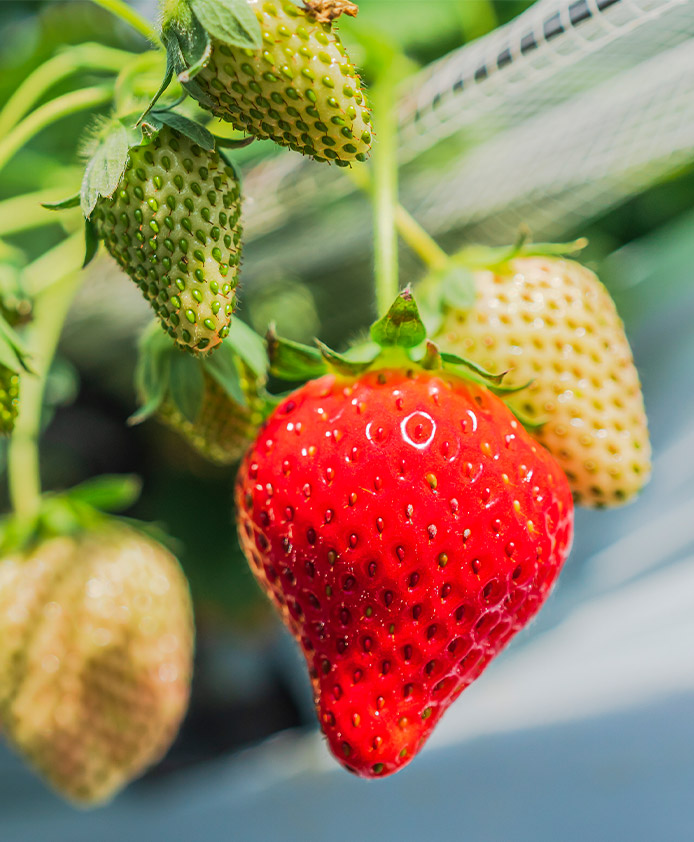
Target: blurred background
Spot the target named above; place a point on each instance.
(575, 118)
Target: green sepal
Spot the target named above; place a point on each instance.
(13, 356)
(110, 150)
(291, 360)
(72, 512)
(457, 287)
(91, 242)
(108, 493)
(233, 143)
(186, 385)
(486, 257)
(188, 49)
(222, 367)
(64, 204)
(157, 119)
(152, 372)
(232, 22)
(432, 357)
(249, 346)
(402, 326)
(341, 363)
(164, 373)
(486, 376)
(530, 426)
(107, 162)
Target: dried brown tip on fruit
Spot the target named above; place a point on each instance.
(326, 11)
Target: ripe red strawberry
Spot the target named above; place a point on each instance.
(406, 527)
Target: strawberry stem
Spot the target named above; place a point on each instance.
(419, 240)
(123, 11)
(50, 310)
(385, 193)
(57, 68)
(55, 109)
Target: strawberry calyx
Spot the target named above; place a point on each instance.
(398, 340)
(188, 27)
(108, 149)
(79, 509)
(165, 373)
(452, 285)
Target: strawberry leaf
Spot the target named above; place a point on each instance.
(231, 21)
(402, 325)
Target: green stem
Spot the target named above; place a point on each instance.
(385, 193)
(42, 337)
(411, 232)
(33, 88)
(419, 240)
(24, 213)
(123, 11)
(126, 97)
(62, 106)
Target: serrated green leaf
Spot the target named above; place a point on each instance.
(291, 360)
(402, 325)
(108, 493)
(107, 164)
(70, 202)
(231, 21)
(186, 385)
(249, 346)
(222, 366)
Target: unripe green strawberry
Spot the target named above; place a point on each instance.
(9, 399)
(96, 657)
(223, 429)
(551, 321)
(173, 224)
(12, 362)
(218, 403)
(297, 87)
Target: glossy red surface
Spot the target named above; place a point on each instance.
(406, 528)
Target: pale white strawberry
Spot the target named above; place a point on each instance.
(551, 321)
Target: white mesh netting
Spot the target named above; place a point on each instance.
(550, 120)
